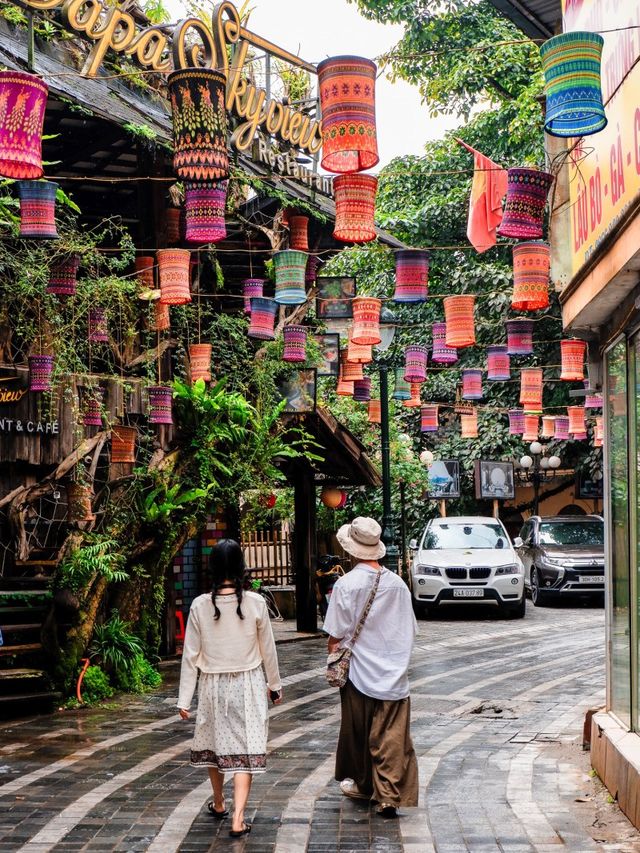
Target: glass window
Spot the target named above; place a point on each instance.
(572, 533)
(444, 536)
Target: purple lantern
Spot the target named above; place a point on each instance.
(592, 401)
(472, 384)
(160, 404)
(98, 333)
(561, 428)
(62, 276)
(251, 287)
(415, 363)
(362, 390)
(498, 364)
(92, 405)
(204, 207)
(519, 337)
(295, 343)
(412, 275)
(516, 421)
(23, 100)
(40, 370)
(442, 354)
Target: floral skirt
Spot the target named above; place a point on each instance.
(232, 722)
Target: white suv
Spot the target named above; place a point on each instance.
(470, 558)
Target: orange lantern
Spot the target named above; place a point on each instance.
(458, 312)
(577, 424)
(572, 355)
(144, 272)
(350, 370)
(531, 428)
(531, 388)
(355, 197)
(200, 361)
(548, 426)
(123, 444)
(359, 353)
(344, 387)
(415, 400)
(161, 320)
(375, 412)
(172, 225)
(332, 498)
(173, 267)
(531, 262)
(298, 233)
(366, 320)
(429, 419)
(598, 437)
(469, 425)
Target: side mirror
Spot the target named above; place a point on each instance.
(413, 544)
(517, 542)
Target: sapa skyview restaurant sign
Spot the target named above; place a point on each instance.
(223, 45)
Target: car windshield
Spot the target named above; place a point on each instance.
(572, 533)
(444, 536)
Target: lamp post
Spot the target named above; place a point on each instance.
(387, 333)
(536, 467)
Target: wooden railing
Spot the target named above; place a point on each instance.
(268, 554)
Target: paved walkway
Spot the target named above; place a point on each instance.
(497, 715)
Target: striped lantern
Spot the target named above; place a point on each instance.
(516, 421)
(577, 422)
(200, 362)
(401, 388)
(572, 63)
(161, 319)
(415, 363)
(173, 270)
(531, 428)
(295, 343)
(469, 425)
(355, 198)
(531, 388)
(23, 101)
(351, 370)
(347, 88)
(311, 272)
(598, 435)
(412, 275)
(548, 427)
(572, 353)
(290, 266)
(531, 262)
(123, 444)
(374, 414)
(498, 363)
(38, 209)
(204, 205)
(359, 353)
(62, 276)
(415, 400)
(523, 214)
(98, 331)
(299, 233)
(442, 354)
(160, 404)
(263, 318)
(472, 384)
(344, 387)
(40, 371)
(519, 337)
(92, 406)
(79, 498)
(366, 320)
(561, 432)
(429, 419)
(580, 436)
(145, 275)
(362, 390)
(172, 226)
(251, 287)
(592, 401)
(458, 314)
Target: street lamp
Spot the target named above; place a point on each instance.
(387, 334)
(535, 468)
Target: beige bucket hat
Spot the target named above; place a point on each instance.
(361, 539)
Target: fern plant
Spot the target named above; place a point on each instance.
(100, 557)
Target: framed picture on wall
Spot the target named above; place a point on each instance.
(298, 390)
(329, 353)
(444, 479)
(334, 297)
(494, 481)
(587, 487)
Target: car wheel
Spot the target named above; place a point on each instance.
(538, 595)
(516, 611)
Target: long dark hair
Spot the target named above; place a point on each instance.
(226, 563)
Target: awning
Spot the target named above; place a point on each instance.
(539, 19)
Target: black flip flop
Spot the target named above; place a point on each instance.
(244, 831)
(214, 813)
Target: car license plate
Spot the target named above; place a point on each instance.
(468, 593)
(590, 579)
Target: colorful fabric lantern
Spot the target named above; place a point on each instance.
(458, 313)
(362, 390)
(366, 320)
(472, 384)
(38, 209)
(263, 317)
(200, 362)
(412, 275)
(523, 214)
(79, 499)
(350, 370)
(402, 388)
(205, 205)
(531, 388)
(40, 371)
(498, 363)
(173, 226)
(580, 436)
(290, 267)
(531, 262)
(572, 353)
(374, 414)
(62, 276)
(561, 425)
(415, 363)
(92, 406)
(344, 387)
(295, 343)
(199, 124)
(429, 419)
(516, 421)
(161, 320)
(531, 428)
(548, 426)
(98, 331)
(355, 197)
(123, 444)
(160, 404)
(23, 101)
(173, 272)
(519, 337)
(469, 425)
(359, 353)
(347, 87)
(571, 63)
(442, 354)
(592, 401)
(311, 273)
(145, 276)
(299, 233)
(415, 400)
(598, 435)
(577, 422)
(251, 287)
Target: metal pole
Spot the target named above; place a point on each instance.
(536, 485)
(403, 530)
(391, 560)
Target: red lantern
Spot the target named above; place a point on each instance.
(23, 100)
(577, 424)
(572, 355)
(531, 428)
(472, 384)
(344, 387)
(263, 318)
(469, 425)
(172, 225)
(458, 312)
(531, 388)
(374, 415)
(145, 272)
(200, 362)
(299, 233)
(415, 400)
(355, 197)
(366, 320)
(531, 262)
(429, 419)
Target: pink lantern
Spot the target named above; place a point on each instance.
(204, 211)
(366, 320)
(173, 270)
(442, 354)
(561, 428)
(251, 287)
(40, 371)
(415, 360)
(519, 337)
(516, 421)
(295, 343)
(263, 318)
(412, 275)
(38, 209)
(160, 404)
(572, 355)
(472, 384)
(23, 100)
(498, 363)
(592, 401)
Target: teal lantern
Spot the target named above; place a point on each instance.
(290, 268)
(402, 388)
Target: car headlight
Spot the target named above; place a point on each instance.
(511, 569)
(428, 570)
(554, 561)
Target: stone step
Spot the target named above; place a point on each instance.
(40, 696)
(23, 649)
(21, 673)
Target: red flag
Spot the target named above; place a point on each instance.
(485, 205)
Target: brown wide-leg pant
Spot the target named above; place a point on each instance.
(375, 747)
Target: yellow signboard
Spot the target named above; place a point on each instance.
(604, 169)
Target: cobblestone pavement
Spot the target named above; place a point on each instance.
(497, 716)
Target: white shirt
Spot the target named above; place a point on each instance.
(380, 656)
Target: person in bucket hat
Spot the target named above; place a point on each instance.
(375, 759)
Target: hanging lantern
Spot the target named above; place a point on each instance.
(598, 436)
(145, 275)
(571, 64)
(62, 276)
(251, 287)
(415, 363)
(531, 428)
(355, 197)
(561, 428)
(576, 420)
(374, 415)
(592, 401)
(580, 436)
(123, 444)
(415, 400)
(548, 426)
(366, 320)
(299, 233)
(98, 332)
(160, 404)
(92, 406)
(199, 124)
(362, 390)
(161, 318)
(351, 370)
(23, 101)
(531, 388)
(173, 271)
(498, 363)
(344, 387)
(205, 205)
(295, 343)
(412, 275)
(359, 353)
(429, 419)
(331, 497)
(442, 354)
(200, 362)
(347, 86)
(472, 384)
(172, 226)
(469, 425)
(290, 267)
(530, 276)
(572, 353)
(523, 214)
(458, 313)
(519, 337)
(79, 503)
(311, 272)
(516, 421)
(38, 209)
(40, 371)
(263, 317)
(401, 388)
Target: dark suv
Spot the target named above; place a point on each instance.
(563, 555)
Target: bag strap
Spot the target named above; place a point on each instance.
(367, 607)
